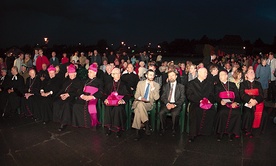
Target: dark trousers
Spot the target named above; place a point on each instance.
(175, 116)
(272, 91)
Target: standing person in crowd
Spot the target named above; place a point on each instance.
(111, 57)
(252, 96)
(65, 99)
(228, 119)
(43, 75)
(263, 75)
(272, 84)
(214, 74)
(130, 79)
(54, 60)
(31, 91)
(158, 74)
(96, 57)
(4, 85)
(64, 58)
(103, 66)
(200, 92)
(115, 113)
(2, 64)
(28, 61)
(208, 60)
(41, 59)
(24, 72)
(15, 92)
(45, 100)
(182, 74)
(172, 100)
(237, 78)
(107, 77)
(19, 61)
(82, 59)
(84, 110)
(36, 54)
(75, 57)
(147, 92)
(9, 60)
(142, 69)
(192, 72)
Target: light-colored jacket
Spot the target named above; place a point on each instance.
(140, 91)
(272, 65)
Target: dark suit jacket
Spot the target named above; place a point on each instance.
(179, 94)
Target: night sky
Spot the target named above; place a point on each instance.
(134, 22)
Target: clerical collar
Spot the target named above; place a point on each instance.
(224, 82)
(200, 79)
(116, 80)
(251, 81)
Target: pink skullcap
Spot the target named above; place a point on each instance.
(51, 68)
(93, 67)
(71, 68)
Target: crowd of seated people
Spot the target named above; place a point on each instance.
(224, 95)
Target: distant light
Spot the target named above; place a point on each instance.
(106, 48)
(128, 48)
(244, 48)
(37, 44)
(45, 39)
(134, 45)
(159, 46)
(79, 43)
(122, 43)
(112, 44)
(149, 43)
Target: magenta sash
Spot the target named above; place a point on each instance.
(204, 104)
(258, 108)
(114, 98)
(92, 103)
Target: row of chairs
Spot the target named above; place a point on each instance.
(153, 114)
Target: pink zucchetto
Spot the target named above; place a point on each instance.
(93, 67)
(71, 68)
(51, 68)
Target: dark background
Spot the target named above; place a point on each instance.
(134, 22)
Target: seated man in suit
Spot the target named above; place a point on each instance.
(147, 92)
(172, 100)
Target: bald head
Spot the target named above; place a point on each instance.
(202, 73)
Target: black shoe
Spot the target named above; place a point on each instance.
(147, 132)
(62, 127)
(138, 135)
(219, 138)
(162, 132)
(118, 134)
(173, 133)
(231, 137)
(191, 139)
(108, 132)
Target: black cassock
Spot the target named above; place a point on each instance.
(228, 120)
(62, 109)
(33, 87)
(14, 98)
(115, 116)
(81, 116)
(201, 121)
(248, 113)
(4, 85)
(44, 105)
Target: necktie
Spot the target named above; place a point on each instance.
(147, 91)
(170, 95)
